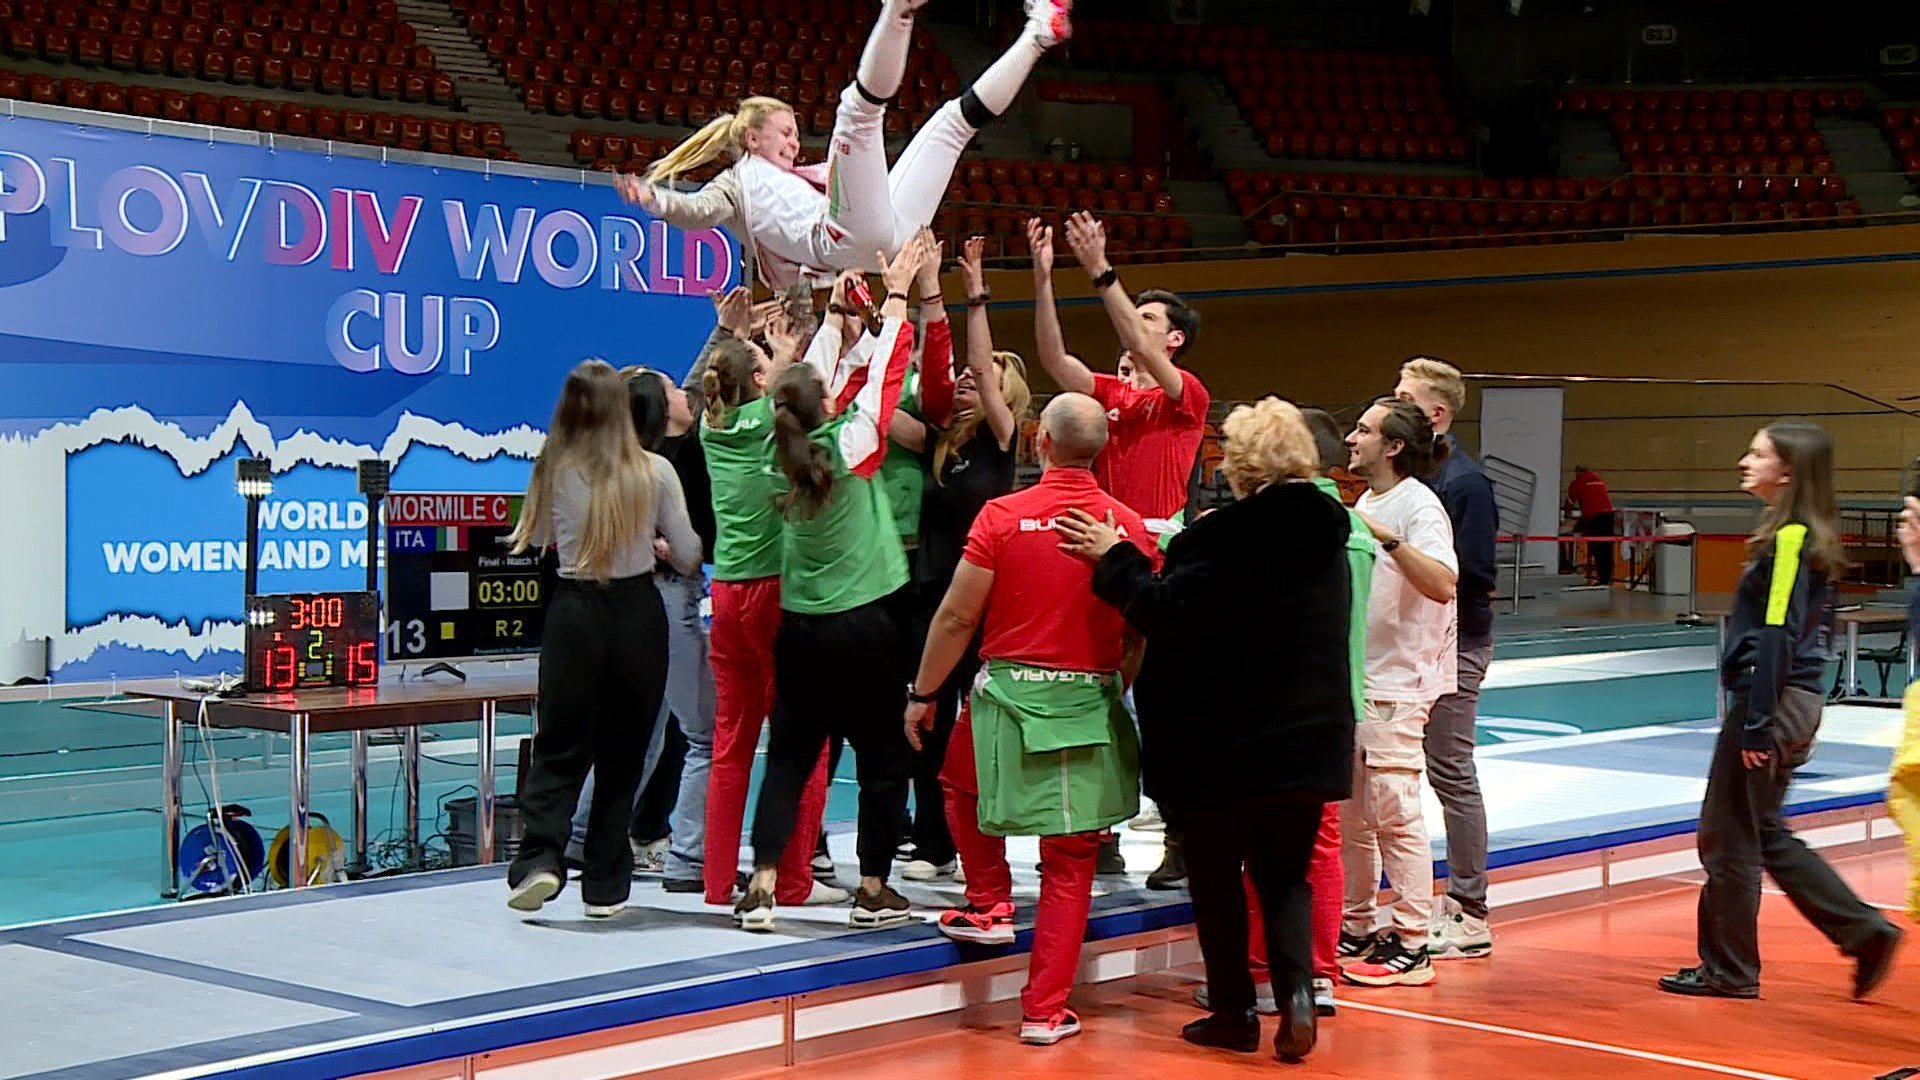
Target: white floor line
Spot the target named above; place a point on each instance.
(1560, 1040)
(1771, 891)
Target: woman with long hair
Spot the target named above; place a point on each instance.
(970, 461)
(835, 215)
(599, 500)
(735, 428)
(840, 658)
(1772, 668)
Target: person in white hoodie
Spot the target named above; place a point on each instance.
(815, 220)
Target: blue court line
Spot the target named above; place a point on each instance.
(1535, 277)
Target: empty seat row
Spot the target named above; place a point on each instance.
(1823, 100)
(202, 16)
(1731, 164)
(1779, 142)
(240, 68)
(1672, 123)
(1123, 178)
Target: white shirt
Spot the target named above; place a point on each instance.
(1410, 639)
(784, 209)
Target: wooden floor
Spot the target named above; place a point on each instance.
(1566, 995)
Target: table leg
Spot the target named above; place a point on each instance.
(410, 763)
(483, 802)
(170, 803)
(1853, 660)
(299, 729)
(360, 801)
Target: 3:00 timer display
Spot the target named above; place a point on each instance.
(507, 592)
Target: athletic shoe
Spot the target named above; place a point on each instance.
(1061, 1025)
(1052, 19)
(1109, 862)
(993, 926)
(754, 911)
(683, 885)
(650, 856)
(1172, 872)
(904, 853)
(1224, 1031)
(1458, 934)
(1263, 999)
(1353, 947)
(1323, 1004)
(1392, 964)
(824, 895)
(534, 891)
(1148, 821)
(604, 911)
(1875, 960)
(922, 870)
(1694, 982)
(874, 910)
(823, 868)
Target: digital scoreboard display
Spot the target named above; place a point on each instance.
(453, 589)
(296, 641)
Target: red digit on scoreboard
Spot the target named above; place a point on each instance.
(362, 669)
(336, 612)
(282, 666)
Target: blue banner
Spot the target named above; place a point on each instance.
(168, 305)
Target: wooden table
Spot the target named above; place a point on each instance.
(1868, 620)
(301, 714)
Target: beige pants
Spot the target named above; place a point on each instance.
(1383, 822)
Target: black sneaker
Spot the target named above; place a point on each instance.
(1392, 964)
(683, 885)
(1695, 982)
(1109, 862)
(1353, 947)
(1875, 960)
(1172, 872)
(754, 911)
(874, 910)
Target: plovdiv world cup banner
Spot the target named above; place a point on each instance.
(168, 305)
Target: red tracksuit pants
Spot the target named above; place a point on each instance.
(1327, 883)
(1066, 878)
(746, 615)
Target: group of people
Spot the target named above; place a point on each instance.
(1277, 673)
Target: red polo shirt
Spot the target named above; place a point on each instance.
(1151, 442)
(1042, 610)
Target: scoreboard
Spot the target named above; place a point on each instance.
(296, 641)
(453, 588)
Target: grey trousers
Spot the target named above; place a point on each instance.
(1456, 783)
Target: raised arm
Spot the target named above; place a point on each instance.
(980, 344)
(1049, 341)
(870, 415)
(1425, 555)
(936, 351)
(1088, 238)
(713, 204)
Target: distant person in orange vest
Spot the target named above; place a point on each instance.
(1592, 510)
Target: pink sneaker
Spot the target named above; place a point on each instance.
(1051, 17)
(994, 926)
(1061, 1025)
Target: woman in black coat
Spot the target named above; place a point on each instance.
(1246, 704)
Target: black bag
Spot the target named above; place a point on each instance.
(1795, 723)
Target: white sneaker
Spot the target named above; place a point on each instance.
(1148, 821)
(534, 891)
(1456, 934)
(1064, 1024)
(604, 911)
(1323, 1004)
(649, 857)
(1264, 1002)
(922, 870)
(823, 868)
(1051, 19)
(824, 895)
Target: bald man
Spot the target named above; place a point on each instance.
(1043, 747)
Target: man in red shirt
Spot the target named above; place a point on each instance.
(1043, 746)
(1592, 506)
(1156, 419)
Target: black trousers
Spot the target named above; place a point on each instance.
(1268, 838)
(1741, 832)
(653, 813)
(842, 674)
(1602, 551)
(603, 669)
(932, 840)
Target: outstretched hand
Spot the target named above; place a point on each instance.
(902, 269)
(1040, 246)
(930, 267)
(972, 255)
(1085, 535)
(783, 338)
(733, 310)
(1088, 239)
(634, 190)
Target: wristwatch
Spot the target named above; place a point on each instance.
(914, 695)
(1388, 545)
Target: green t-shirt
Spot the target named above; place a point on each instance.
(1361, 553)
(903, 473)
(847, 554)
(745, 489)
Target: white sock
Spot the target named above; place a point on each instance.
(884, 62)
(1000, 84)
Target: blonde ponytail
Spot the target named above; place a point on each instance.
(722, 137)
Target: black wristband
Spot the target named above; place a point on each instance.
(840, 309)
(914, 695)
(1108, 278)
(935, 298)
(897, 296)
(980, 300)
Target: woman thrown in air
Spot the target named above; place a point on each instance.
(816, 220)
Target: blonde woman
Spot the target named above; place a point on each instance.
(971, 460)
(599, 499)
(1243, 764)
(833, 216)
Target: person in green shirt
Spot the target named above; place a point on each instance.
(841, 655)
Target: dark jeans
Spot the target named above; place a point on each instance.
(842, 674)
(652, 814)
(1268, 839)
(1741, 832)
(603, 670)
(1602, 551)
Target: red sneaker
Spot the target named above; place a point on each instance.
(994, 926)
(1061, 1025)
